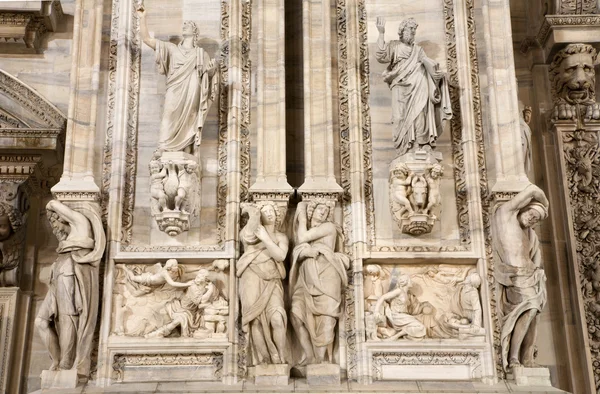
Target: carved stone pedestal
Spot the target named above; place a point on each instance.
(530, 376)
(59, 379)
(272, 375)
(322, 374)
(415, 191)
(175, 191)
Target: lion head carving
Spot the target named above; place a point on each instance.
(573, 76)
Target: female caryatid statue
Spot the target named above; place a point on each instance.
(190, 87)
(420, 97)
(261, 270)
(317, 280)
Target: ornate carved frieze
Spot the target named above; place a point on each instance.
(124, 364)
(582, 160)
(28, 120)
(382, 361)
(554, 30)
(24, 28)
(577, 7)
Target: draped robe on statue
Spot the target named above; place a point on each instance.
(260, 287)
(527, 283)
(317, 286)
(414, 96)
(73, 294)
(188, 97)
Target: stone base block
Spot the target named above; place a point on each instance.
(322, 374)
(59, 379)
(272, 374)
(530, 376)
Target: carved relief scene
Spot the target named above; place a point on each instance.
(422, 302)
(299, 196)
(411, 114)
(172, 300)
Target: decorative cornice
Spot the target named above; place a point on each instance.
(562, 21)
(25, 29)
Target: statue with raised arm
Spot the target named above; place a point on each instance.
(317, 279)
(261, 269)
(420, 97)
(190, 87)
(67, 317)
(520, 274)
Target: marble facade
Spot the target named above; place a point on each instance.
(235, 206)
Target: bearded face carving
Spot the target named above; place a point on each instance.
(573, 76)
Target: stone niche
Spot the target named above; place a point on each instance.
(438, 226)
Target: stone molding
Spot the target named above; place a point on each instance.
(46, 128)
(23, 29)
(554, 23)
(424, 358)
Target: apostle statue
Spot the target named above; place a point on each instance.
(317, 280)
(190, 87)
(420, 97)
(520, 274)
(261, 269)
(67, 317)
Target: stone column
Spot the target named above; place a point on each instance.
(319, 150)
(77, 180)
(270, 83)
(504, 128)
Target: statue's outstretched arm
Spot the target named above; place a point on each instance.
(150, 41)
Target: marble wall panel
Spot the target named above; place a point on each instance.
(431, 36)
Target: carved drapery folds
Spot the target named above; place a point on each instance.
(73, 294)
(421, 110)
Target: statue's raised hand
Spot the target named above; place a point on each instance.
(381, 24)
(141, 12)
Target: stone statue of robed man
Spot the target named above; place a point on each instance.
(190, 87)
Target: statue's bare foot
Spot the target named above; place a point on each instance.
(514, 363)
